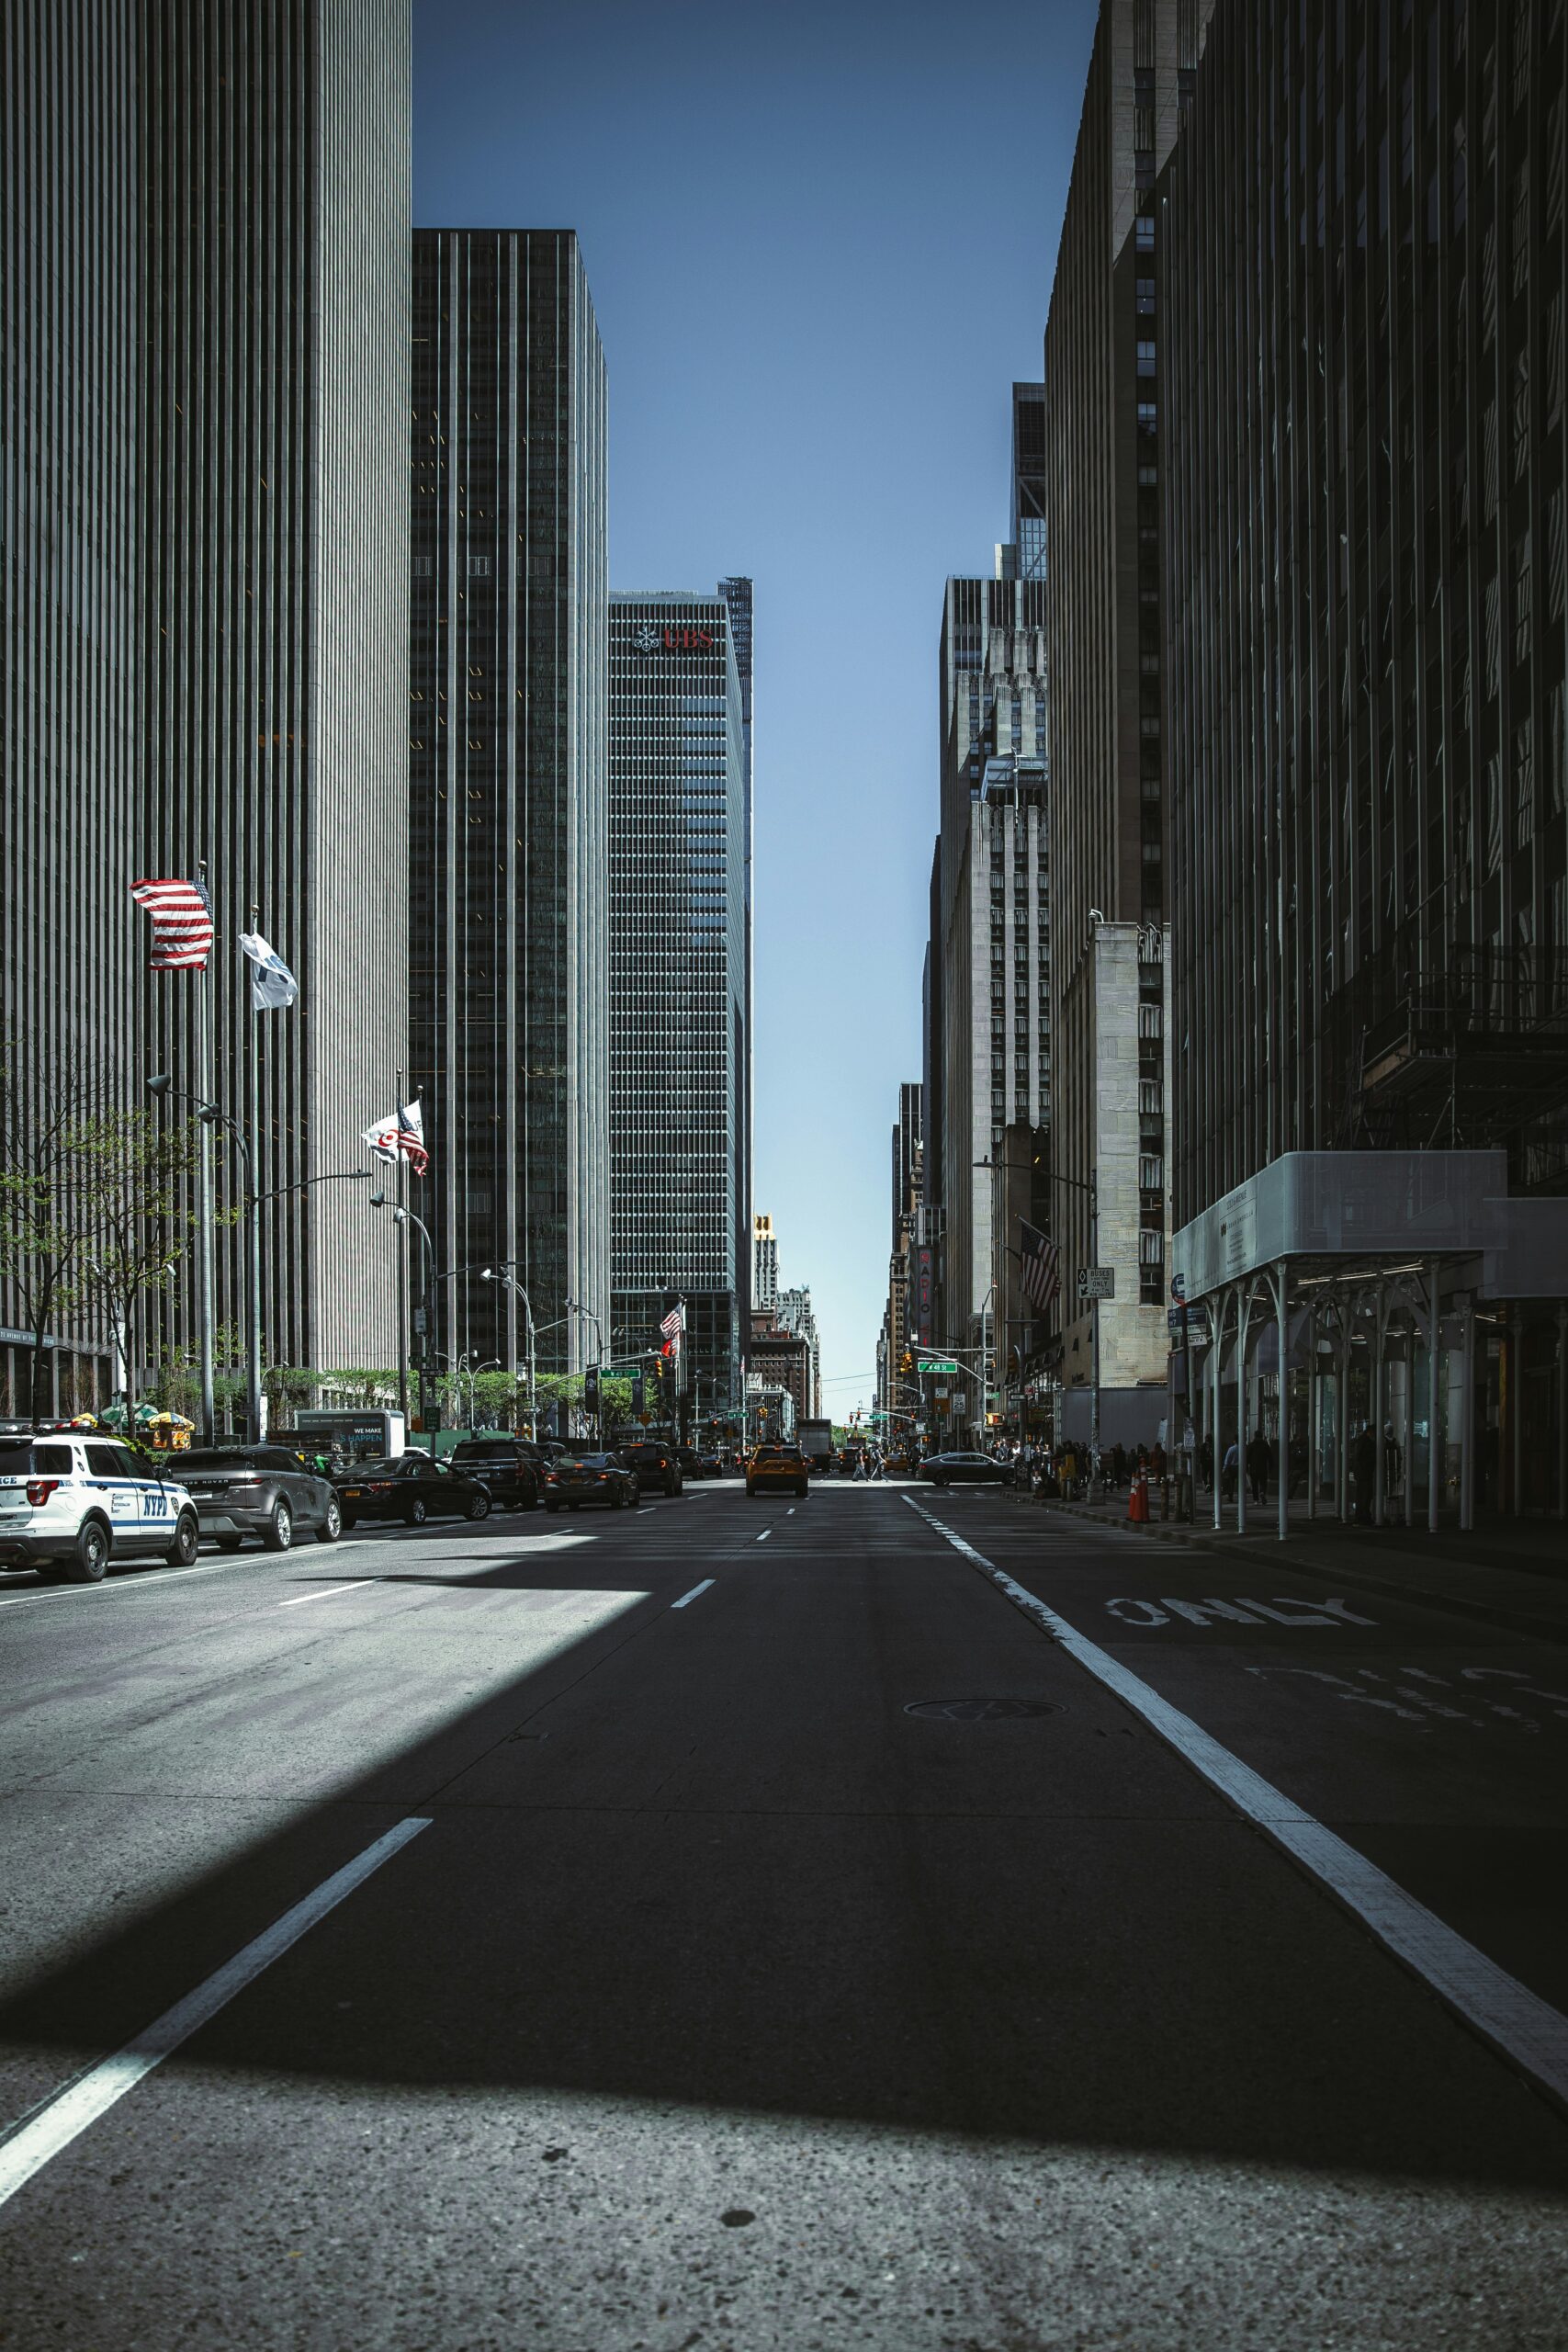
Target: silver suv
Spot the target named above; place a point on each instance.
(71, 1500)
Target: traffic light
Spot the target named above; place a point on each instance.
(590, 1388)
(907, 1361)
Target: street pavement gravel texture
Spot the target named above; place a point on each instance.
(725, 2001)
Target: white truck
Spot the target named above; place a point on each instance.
(816, 1442)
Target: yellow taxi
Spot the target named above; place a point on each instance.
(776, 1466)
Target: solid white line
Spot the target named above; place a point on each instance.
(1524, 2029)
(158, 1581)
(62, 2118)
(326, 1593)
(687, 1597)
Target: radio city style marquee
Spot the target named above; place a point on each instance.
(684, 638)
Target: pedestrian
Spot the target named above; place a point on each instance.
(1259, 1460)
(1229, 1471)
(1119, 1464)
(1297, 1458)
(1206, 1461)
(1364, 1463)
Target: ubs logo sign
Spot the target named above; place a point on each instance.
(681, 638)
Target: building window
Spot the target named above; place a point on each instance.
(479, 567)
(1145, 236)
(1145, 356)
(1147, 416)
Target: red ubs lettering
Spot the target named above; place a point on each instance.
(687, 641)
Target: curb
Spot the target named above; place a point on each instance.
(1517, 1620)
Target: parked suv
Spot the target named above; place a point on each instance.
(71, 1503)
(511, 1471)
(656, 1464)
(260, 1490)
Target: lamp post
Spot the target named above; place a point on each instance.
(212, 1115)
(506, 1276)
(587, 1314)
(406, 1216)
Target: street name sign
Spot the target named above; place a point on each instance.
(935, 1364)
(1097, 1282)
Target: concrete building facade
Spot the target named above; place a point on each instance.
(1103, 438)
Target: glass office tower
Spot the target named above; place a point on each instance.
(508, 894)
(679, 988)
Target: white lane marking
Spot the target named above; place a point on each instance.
(1520, 2025)
(764, 1535)
(687, 1597)
(327, 1591)
(161, 1577)
(51, 2128)
(790, 1513)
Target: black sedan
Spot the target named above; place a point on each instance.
(260, 1490)
(575, 1479)
(511, 1471)
(656, 1464)
(969, 1469)
(411, 1488)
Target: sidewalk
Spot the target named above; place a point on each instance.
(1512, 1573)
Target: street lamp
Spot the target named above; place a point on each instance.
(211, 1115)
(507, 1277)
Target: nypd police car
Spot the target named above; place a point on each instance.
(71, 1500)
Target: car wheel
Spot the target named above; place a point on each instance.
(186, 1542)
(801, 1489)
(89, 1562)
(332, 1525)
(229, 1542)
(278, 1533)
(479, 1507)
(415, 1513)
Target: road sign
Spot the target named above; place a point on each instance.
(645, 1418)
(1097, 1282)
(934, 1363)
(1176, 1320)
(1178, 1289)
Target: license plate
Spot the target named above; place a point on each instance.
(351, 1494)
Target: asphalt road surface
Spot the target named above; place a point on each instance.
(763, 1924)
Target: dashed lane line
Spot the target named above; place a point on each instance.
(51, 2128)
(1523, 2029)
(764, 1535)
(327, 1591)
(687, 1597)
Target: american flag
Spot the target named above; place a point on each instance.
(673, 1325)
(401, 1135)
(182, 924)
(1042, 1274)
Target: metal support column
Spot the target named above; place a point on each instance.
(1434, 1352)
(1380, 1474)
(1467, 1420)
(1283, 1279)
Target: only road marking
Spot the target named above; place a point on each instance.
(1521, 2026)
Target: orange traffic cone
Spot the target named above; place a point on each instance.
(1138, 1501)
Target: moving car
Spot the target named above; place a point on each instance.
(411, 1488)
(260, 1490)
(70, 1504)
(777, 1466)
(712, 1463)
(961, 1468)
(578, 1478)
(511, 1471)
(690, 1461)
(656, 1464)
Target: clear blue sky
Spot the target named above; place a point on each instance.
(820, 240)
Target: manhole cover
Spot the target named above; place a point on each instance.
(982, 1711)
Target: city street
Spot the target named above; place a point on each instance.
(783, 1937)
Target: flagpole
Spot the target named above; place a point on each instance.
(403, 1232)
(206, 1275)
(254, 1428)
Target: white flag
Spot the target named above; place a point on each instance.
(272, 986)
(399, 1135)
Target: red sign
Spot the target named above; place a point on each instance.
(687, 639)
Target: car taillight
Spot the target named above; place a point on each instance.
(380, 1486)
(603, 1478)
(550, 1478)
(41, 1489)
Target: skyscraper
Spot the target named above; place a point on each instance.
(275, 189)
(1102, 444)
(509, 887)
(993, 946)
(764, 1265)
(680, 992)
(205, 344)
(70, 684)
